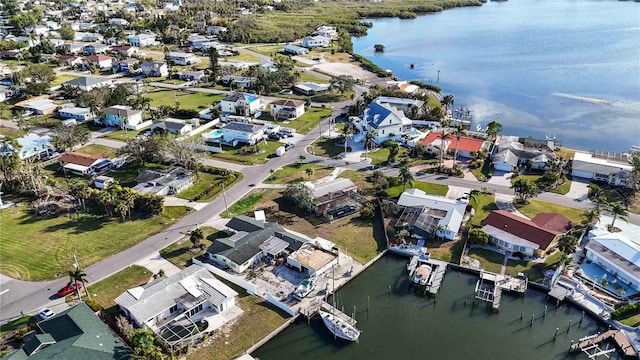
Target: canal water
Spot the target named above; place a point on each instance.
(402, 325)
(564, 67)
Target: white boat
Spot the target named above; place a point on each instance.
(422, 274)
(305, 287)
(339, 327)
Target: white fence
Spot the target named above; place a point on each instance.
(249, 287)
(142, 125)
(282, 306)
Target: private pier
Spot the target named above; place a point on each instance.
(500, 282)
(590, 345)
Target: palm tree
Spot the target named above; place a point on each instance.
(567, 244)
(447, 101)
(301, 158)
(347, 131)
(195, 236)
(458, 132)
(443, 145)
(369, 141)
(618, 211)
(406, 177)
(589, 218)
(309, 172)
(78, 276)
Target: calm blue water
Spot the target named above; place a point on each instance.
(527, 63)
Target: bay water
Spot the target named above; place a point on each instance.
(539, 67)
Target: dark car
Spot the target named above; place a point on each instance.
(69, 289)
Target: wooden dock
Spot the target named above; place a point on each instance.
(339, 314)
(438, 270)
(500, 283)
(590, 345)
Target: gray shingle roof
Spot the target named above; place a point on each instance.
(244, 127)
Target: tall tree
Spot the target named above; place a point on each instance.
(458, 133)
(80, 190)
(447, 101)
(347, 131)
(524, 190)
(406, 177)
(67, 33)
(567, 244)
(343, 83)
(300, 195)
(66, 137)
(394, 150)
(213, 63)
(369, 141)
(618, 211)
(78, 276)
(493, 129)
(444, 144)
(309, 171)
(196, 236)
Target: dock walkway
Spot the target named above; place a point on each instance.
(501, 283)
(590, 345)
(339, 314)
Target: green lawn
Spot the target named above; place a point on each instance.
(180, 253)
(309, 120)
(61, 79)
(633, 320)
(127, 173)
(123, 135)
(106, 290)
(266, 49)
(560, 189)
(429, 188)
(379, 156)
(244, 205)
(17, 324)
(236, 155)
(188, 100)
(489, 260)
(202, 191)
(483, 205)
(484, 172)
(243, 57)
(98, 149)
(306, 77)
(296, 172)
(55, 240)
(536, 206)
(534, 271)
(11, 132)
(326, 147)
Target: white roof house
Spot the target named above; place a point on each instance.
(161, 301)
(585, 165)
(436, 210)
(618, 252)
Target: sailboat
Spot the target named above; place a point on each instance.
(339, 327)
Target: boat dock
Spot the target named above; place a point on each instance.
(438, 269)
(590, 345)
(325, 306)
(501, 283)
(409, 249)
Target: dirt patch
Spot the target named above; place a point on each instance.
(352, 69)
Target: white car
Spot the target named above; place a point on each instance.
(45, 313)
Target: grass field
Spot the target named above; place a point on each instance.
(483, 205)
(35, 248)
(257, 321)
(11, 132)
(98, 149)
(242, 57)
(244, 205)
(235, 154)
(17, 324)
(536, 206)
(309, 120)
(188, 100)
(199, 191)
(296, 172)
(534, 271)
(306, 77)
(127, 173)
(326, 147)
(268, 50)
(561, 189)
(489, 260)
(429, 188)
(632, 320)
(380, 155)
(106, 290)
(61, 79)
(180, 252)
(123, 135)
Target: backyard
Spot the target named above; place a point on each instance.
(534, 271)
(429, 188)
(489, 260)
(98, 149)
(126, 174)
(298, 172)
(35, 248)
(180, 252)
(188, 100)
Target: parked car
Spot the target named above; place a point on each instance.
(45, 313)
(286, 92)
(69, 289)
(288, 146)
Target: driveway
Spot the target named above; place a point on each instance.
(500, 178)
(579, 190)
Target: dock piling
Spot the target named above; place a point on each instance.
(389, 289)
(521, 315)
(367, 303)
(569, 327)
(571, 346)
(532, 318)
(545, 311)
(556, 334)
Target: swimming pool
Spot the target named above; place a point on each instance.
(215, 134)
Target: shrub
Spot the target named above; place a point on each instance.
(625, 310)
(94, 305)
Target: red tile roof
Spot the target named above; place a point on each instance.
(98, 58)
(466, 143)
(80, 158)
(553, 222)
(520, 227)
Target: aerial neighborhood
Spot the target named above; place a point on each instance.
(175, 185)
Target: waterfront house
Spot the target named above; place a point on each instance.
(243, 249)
(83, 164)
(313, 42)
(74, 334)
(181, 58)
(87, 83)
(332, 196)
(141, 40)
(102, 62)
(389, 122)
(76, 113)
(514, 233)
(311, 259)
(286, 109)
(466, 146)
(407, 106)
(179, 302)
(40, 106)
(240, 103)
(327, 31)
(431, 215)
(163, 182)
(239, 132)
(174, 126)
(310, 88)
(510, 152)
(612, 172)
(154, 68)
(122, 116)
(617, 253)
(294, 50)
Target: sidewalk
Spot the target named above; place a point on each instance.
(175, 201)
(155, 263)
